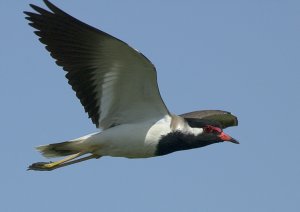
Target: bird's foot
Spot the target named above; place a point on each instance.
(42, 166)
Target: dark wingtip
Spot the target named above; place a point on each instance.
(236, 121)
(53, 8)
(223, 118)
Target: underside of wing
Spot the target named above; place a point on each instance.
(220, 118)
(115, 83)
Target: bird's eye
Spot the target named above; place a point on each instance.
(207, 129)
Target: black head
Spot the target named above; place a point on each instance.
(218, 133)
(179, 140)
(210, 128)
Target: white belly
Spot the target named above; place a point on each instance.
(136, 140)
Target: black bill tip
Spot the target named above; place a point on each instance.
(232, 140)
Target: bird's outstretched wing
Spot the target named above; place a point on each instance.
(221, 118)
(115, 83)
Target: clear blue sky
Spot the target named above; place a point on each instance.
(241, 56)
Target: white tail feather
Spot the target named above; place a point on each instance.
(59, 149)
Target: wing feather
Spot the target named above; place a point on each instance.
(221, 118)
(115, 83)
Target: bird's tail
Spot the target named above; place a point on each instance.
(59, 149)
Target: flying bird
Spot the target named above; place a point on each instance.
(117, 86)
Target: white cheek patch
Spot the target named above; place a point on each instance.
(196, 131)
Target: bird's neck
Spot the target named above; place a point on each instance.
(177, 141)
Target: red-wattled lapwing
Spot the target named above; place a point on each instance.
(117, 87)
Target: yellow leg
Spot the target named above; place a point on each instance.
(44, 166)
(77, 161)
